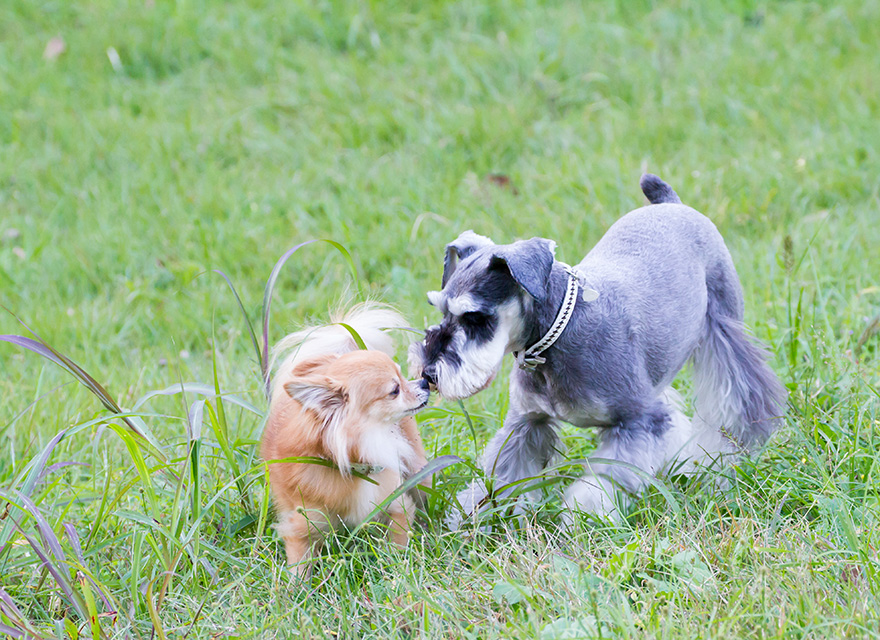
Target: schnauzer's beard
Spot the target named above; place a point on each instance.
(473, 366)
(478, 368)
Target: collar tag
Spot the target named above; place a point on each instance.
(529, 363)
(589, 294)
(367, 469)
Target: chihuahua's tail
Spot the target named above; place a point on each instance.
(657, 191)
(369, 320)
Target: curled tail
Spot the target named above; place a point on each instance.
(737, 392)
(657, 191)
(369, 320)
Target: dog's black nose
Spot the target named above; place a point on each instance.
(429, 375)
(425, 385)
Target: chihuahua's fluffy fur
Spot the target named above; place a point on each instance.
(348, 407)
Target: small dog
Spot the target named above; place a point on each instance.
(352, 409)
(598, 346)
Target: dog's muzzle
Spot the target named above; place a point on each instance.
(429, 378)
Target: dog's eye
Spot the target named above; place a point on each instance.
(474, 318)
(477, 325)
(395, 391)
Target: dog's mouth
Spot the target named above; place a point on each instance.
(415, 410)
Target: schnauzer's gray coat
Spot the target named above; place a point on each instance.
(668, 292)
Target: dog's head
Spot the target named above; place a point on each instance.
(358, 398)
(487, 291)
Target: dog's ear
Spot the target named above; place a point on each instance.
(529, 262)
(459, 249)
(320, 393)
(313, 364)
(436, 299)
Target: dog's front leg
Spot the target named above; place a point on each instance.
(303, 533)
(521, 449)
(402, 513)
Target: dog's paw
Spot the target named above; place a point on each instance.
(595, 496)
(468, 499)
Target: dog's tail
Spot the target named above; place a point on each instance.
(369, 320)
(657, 191)
(736, 391)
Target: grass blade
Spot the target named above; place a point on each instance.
(62, 581)
(141, 467)
(46, 531)
(435, 465)
(154, 614)
(198, 388)
(38, 348)
(137, 554)
(354, 335)
(8, 606)
(641, 473)
(264, 509)
(261, 466)
(9, 609)
(42, 348)
(195, 418)
(229, 454)
(58, 466)
(91, 607)
(11, 632)
(270, 287)
(38, 463)
(73, 538)
(247, 320)
(34, 471)
(194, 453)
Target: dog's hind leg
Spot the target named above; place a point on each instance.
(521, 449)
(681, 450)
(629, 455)
(738, 397)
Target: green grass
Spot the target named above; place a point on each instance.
(229, 132)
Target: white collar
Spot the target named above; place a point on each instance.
(530, 358)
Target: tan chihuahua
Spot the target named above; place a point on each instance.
(352, 409)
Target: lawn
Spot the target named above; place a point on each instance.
(152, 152)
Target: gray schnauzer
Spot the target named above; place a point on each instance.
(598, 345)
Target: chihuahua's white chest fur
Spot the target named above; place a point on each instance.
(387, 448)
